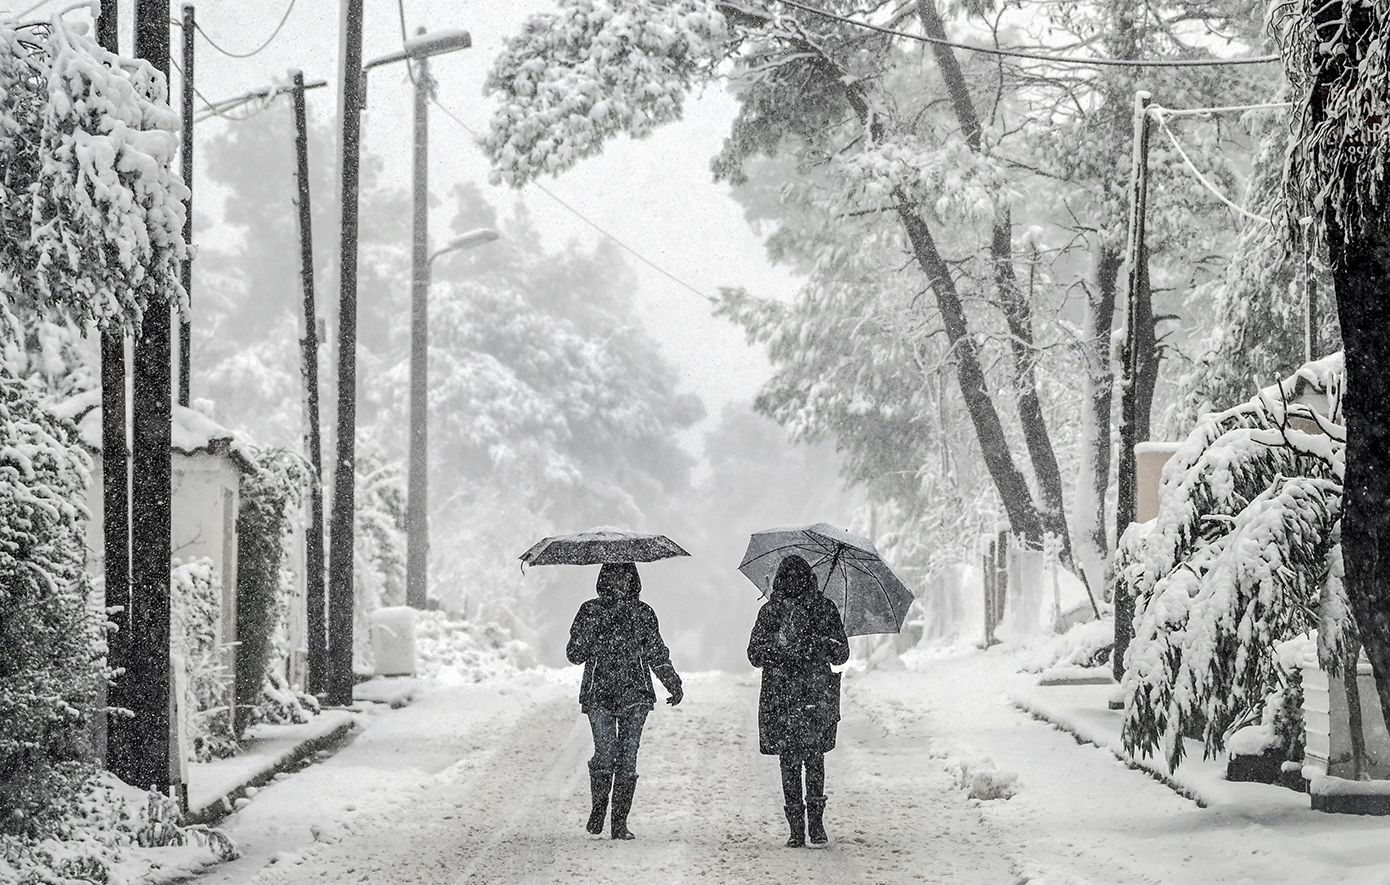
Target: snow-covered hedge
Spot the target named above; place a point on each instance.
(195, 602)
(50, 637)
(1243, 554)
(269, 499)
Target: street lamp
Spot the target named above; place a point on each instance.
(340, 551)
(417, 539)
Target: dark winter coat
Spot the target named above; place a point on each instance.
(619, 643)
(795, 640)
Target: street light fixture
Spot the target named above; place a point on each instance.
(340, 582)
(417, 538)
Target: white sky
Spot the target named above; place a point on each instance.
(655, 195)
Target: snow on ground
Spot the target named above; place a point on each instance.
(485, 782)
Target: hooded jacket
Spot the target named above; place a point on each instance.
(617, 639)
(797, 636)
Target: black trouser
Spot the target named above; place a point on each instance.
(791, 776)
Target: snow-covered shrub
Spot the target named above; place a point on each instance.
(268, 499)
(453, 648)
(1243, 554)
(50, 638)
(195, 602)
(109, 825)
(91, 209)
(379, 542)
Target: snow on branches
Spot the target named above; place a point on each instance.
(596, 68)
(49, 637)
(92, 212)
(1338, 61)
(1243, 554)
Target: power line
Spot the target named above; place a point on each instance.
(582, 217)
(1038, 56)
(1158, 114)
(284, 18)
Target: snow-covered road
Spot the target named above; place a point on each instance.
(486, 783)
(512, 807)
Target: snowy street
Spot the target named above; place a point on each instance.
(486, 783)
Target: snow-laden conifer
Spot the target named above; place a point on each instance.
(1243, 554)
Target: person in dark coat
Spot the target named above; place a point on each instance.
(796, 638)
(617, 639)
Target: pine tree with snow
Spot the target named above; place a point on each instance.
(1243, 554)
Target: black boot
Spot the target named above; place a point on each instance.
(815, 821)
(796, 819)
(600, 783)
(624, 783)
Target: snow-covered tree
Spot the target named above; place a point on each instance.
(885, 171)
(51, 639)
(1335, 54)
(1244, 554)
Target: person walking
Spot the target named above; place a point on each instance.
(797, 636)
(617, 639)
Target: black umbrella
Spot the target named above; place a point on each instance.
(599, 546)
(848, 568)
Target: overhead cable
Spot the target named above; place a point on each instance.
(582, 217)
(273, 34)
(1158, 114)
(1041, 56)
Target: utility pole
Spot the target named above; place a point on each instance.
(1140, 360)
(115, 493)
(417, 479)
(148, 676)
(313, 542)
(340, 582)
(186, 167)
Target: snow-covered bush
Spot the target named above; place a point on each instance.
(379, 542)
(454, 648)
(195, 601)
(1243, 554)
(91, 209)
(108, 833)
(50, 638)
(268, 498)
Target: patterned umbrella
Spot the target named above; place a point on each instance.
(601, 545)
(848, 568)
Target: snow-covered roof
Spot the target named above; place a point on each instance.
(192, 431)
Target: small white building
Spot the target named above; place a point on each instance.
(207, 464)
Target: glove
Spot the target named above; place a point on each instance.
(676, 695)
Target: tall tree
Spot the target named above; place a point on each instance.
(1334, 54)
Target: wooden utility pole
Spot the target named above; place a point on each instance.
(186, 167)
(115, 492)
(148, 676)
(417, 478)
(313, 541)
(1140, 360)
(340, 551)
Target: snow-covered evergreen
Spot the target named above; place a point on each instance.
(1242, 555)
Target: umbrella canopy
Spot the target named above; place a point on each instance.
(599, 546)
(848, 568)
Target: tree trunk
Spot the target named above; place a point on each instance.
(1012, 487)
(1017, 311)
(1361, 275)
(1019, 314)
(1093, 480)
